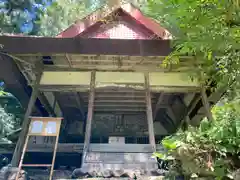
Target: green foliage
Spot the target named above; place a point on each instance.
(60, 15)
(11, 115)
(206, 29)
(213, 149)
(170, 146)
(94, 4)
(209, 31)
(17, 16)
(43, 19)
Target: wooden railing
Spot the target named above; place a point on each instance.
(78, 148)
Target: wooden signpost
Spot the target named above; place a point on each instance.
(42, 126)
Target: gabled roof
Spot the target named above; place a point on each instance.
(105, 14)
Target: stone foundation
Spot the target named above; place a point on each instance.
(9, 173)
(121, 173)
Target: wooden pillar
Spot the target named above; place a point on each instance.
(89, 116)
(149, 113)
(26, 121)
(206, 104)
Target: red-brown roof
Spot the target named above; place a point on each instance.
(98, 18)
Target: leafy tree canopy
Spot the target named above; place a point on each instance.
(46, 17)
(11, 114)
(209, 31)
(20, 16)
(206, 29)
(60, 15)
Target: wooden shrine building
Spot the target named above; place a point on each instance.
(103, 76)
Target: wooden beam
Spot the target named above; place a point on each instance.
(84, 88)
(33, 45)
(138, 148)
(190, 100)
(149, 112)
(193, 103)
(89, 116)
(206, 104)
(129, 79)
(126, 67)
(119, 78)
(171, 114)
(118, 89)
(214, 97)
(187, 120)
(69, 60)
(80, 59)
(123, 111)
(46, 104)
(80, 103)
(78, 148)
(159, 130)
(112, 104)
(191, 106)
(118, 95)
(120, 101)
(65, 78)
(184, 111)
(184, 124)
(51, 98)
(132, 105)
(157, 107)
(113, 110)
(171, 79)
(26, 120)
(188, 97)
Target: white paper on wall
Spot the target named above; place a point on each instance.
(37, 127)
(51, 128)
(116, 140)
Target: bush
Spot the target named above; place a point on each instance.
(211, 150)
